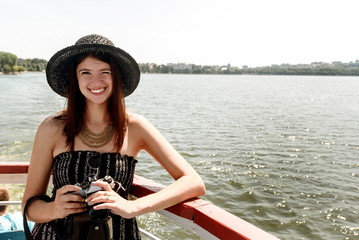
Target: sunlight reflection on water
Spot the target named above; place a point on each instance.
(278, 151)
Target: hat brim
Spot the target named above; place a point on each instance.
(58, 74)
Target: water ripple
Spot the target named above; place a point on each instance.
(280, 152)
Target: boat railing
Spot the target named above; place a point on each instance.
(197, 215)
(145, 233)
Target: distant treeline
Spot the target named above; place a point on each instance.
(315, 68)
(10, 63)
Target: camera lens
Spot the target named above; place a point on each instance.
(99, 214)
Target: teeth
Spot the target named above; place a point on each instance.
(97, 90)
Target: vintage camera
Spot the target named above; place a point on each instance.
(87, 188)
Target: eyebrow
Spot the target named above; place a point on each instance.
(104, 69)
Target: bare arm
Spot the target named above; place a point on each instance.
(39, 175)
(187, 184)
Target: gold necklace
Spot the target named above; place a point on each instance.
(94, 140)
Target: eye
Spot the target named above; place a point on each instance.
(106, 72)
(84, 72)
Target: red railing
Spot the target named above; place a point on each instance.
(205, 218)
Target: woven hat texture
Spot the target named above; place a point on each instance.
(57, 70)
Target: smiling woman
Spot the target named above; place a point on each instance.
(95, 76)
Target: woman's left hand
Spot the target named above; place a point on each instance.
(109, 199)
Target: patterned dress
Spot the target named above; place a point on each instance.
(73, 167)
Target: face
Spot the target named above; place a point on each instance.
(95, 80)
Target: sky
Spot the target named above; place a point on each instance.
(201, 32)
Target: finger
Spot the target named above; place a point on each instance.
(68, 188)
(78, 210)
(96, 195)
(75, 205)
(103, 184)
(100, 200)
(101, 206)
(75, 210)
(74, 198)
(71, 208)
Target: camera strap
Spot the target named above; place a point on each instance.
(26, 226)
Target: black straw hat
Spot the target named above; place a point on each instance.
(58, 72)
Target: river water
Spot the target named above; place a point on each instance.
(280, 152)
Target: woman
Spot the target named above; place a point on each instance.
(95, 77)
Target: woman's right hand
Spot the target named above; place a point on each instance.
(66, 203)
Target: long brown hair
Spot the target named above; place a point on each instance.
(76, 103)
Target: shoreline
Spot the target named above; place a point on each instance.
(217, 74)
(17, 73)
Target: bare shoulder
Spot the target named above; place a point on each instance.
(51, 126)
(137, 121)
(143, 131)
(140, 127)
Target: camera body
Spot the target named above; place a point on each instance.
(87, 188)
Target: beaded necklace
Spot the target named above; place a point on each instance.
(94, 140)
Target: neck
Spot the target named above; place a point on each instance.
(96, 114)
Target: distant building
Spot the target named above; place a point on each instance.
(226, 68)
(180, 66)
(318, 64)
(150, 65)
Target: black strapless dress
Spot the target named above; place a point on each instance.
(73, 167)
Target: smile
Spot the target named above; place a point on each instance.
(96, 91)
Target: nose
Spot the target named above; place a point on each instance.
(97, 78)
